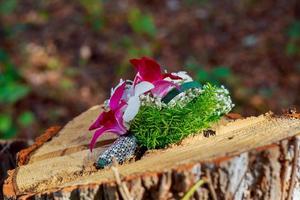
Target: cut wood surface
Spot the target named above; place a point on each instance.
(246, 157)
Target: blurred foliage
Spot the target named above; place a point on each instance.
(293, 45)
(26, 119)
(94, 13)
(217, 75)
(12, 90)
(141, 23)
(8, 6)
(196, 2)
(58, 58)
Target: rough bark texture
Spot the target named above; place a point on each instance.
(253, 158)
(8, 151)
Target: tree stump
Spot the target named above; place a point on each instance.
(251, 158)
(8, 151)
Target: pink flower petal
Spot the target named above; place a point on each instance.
(97, 134)
(171, 76)
(114, 128)
(116, 96)
(148, 69)
(97, 123)
(162, 87)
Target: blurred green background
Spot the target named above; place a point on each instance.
(59, 57)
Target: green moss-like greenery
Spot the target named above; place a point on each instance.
(157, 128)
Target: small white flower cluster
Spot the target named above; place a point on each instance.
(225, 104)
(149, 100)
(185, 97)
(179, 100)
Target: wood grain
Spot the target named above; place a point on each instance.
(65, 164)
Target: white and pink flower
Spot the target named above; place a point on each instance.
(124, 103)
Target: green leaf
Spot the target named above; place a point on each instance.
(26, 118)
(141, 23)
(13, 92)
(202, 75)
(10, 133)
(5, 122)
(221, 72)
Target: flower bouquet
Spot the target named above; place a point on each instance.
(156, 110)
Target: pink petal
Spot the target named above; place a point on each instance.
(114, 129)
(119, 119)
(137, 79)
(97, 123)
(171, 76)
(97, 134)
(135, 62)
(148, 69)
(162, 87)
(116, 96)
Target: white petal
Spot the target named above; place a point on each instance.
(128, 93)
(143, 87)
(184, 76)
(132, 108)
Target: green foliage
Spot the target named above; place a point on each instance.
(294, 30)
(158, 128)
(26, 118)
(132, 50)
(217, 75)
(293, 45)
(7, 128)
(141, 23)
(8, 6)
(221, 72)
(5, 122)
(292, 48)
(12, 90)
(94, 13)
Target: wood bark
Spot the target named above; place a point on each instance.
(251, 158)
(8, 151)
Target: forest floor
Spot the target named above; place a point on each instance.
(60, 57)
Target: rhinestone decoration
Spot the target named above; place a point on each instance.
(121, 150)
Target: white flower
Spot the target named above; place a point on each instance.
(185, 77)
(134, 102)
(182, 74)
